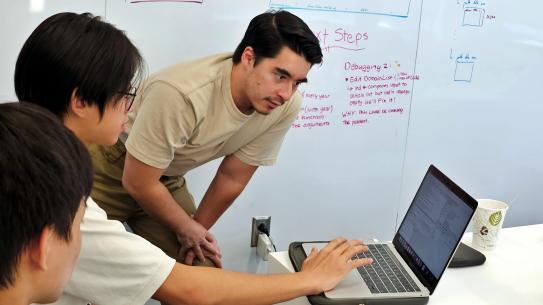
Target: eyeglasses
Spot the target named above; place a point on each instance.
(129, 98)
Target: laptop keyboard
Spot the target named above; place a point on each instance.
(386, 274)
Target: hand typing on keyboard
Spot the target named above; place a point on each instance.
(325, 268)
(386, 275)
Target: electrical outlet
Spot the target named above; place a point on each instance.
(257, 220)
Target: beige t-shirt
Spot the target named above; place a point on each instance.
(185, 116)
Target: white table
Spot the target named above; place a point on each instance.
(512, 273)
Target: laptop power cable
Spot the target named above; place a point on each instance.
(265, 243)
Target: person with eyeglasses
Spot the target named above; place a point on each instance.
(129, 97)
(235, 106)
(66, 66)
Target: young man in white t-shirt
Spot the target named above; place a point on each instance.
(82, 69)
(45, 179)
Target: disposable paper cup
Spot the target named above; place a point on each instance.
(487, 222)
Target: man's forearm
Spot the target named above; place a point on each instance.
(218, 286)
(321, 271)
(143, 183)
(157, 202)
(230, 180)
(219, 196)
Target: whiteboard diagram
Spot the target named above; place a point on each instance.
(474, 13)
(463, 71)
(399, 8)
(473, 16)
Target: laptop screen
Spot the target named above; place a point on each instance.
(433, 226)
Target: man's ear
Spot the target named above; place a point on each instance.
(39, 250)
(248, 57)
(78, 106)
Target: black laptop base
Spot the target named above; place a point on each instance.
(297, 256)
(466, 256)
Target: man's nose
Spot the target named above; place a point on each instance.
(285, 91)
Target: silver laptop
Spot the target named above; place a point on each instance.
(413, 263)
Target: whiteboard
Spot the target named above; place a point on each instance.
(403, 84)
(19, 19)
(341, 163)
(476, 113)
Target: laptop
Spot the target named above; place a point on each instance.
(412, 264)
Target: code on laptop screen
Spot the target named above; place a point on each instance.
(433, 226)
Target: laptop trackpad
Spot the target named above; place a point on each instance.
(352, 286)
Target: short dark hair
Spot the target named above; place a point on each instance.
(45, 172)
(71, 51)
(269, 32)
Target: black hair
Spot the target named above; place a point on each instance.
(45, 173)
(269, 32)
(68, 52)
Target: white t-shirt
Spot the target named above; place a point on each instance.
(115, 267)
